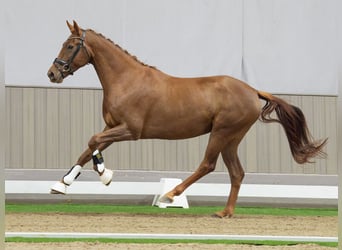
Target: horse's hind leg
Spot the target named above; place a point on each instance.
(236, 173)
(207, 165)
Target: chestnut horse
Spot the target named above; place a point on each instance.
(141, 102)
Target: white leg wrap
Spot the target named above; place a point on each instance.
(72, 175)
(100, 168)
(98, 161)
(58, 188)
(106, 176)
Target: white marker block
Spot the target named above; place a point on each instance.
(167, 184)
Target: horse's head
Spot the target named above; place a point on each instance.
(73, 55)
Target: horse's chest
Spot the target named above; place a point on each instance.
(110, 116)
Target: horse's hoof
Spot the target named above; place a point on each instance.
(218, 215)
(222, 214)
(58, 188)
(165, 199)
(106, 176)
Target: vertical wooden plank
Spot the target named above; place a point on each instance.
(122, 159)
(52, 129)
(170, 155)
(16, 125)
(182, 156)
(147, 154)
(331, 132)
(7, 125)
(135, 157)
(64, 119)
(249, 144)
(76, 125)
(98, 119)
(140, 151)
(112, 157)
(28, 128)
(158, 155)
(40, 128)
(263, 149)
(88, 115)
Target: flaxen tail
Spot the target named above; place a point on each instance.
(303, 146)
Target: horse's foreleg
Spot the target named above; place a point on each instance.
(107, 137)
(75, 171)
(68, 178)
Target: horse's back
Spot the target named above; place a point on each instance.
(236, 101)
(218, 92)
(188, 107)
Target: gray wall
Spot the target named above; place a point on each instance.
(47, 128)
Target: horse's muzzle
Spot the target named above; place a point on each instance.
(54, 75)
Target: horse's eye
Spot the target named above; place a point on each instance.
(70, 46)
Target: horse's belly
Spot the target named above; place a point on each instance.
(178, 129)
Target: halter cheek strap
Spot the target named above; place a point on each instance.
(64, 67)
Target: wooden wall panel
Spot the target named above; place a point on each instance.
(15, 124)
(53, 133)
(40, 128)
(50, 128)
(63, 123)
(28, 140)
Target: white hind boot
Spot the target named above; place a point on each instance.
(106, 175)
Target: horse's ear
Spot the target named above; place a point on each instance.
(71, 28)
(77, 29)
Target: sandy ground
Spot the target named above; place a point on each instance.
(180, 224)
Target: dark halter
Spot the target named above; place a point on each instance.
(65, 68)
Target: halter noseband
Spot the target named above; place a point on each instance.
(65, 68)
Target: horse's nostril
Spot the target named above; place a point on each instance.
(51, 75)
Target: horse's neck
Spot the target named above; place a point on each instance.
(110, 62)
